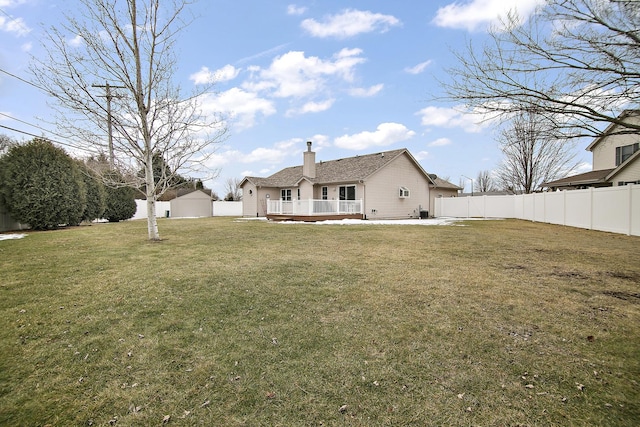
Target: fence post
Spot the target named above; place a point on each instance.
(630, 211)
(591, 207)
(484, 206)
(564, 207)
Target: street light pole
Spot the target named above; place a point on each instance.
(471, 179)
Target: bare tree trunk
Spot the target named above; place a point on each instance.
(152, 220)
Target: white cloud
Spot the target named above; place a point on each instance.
(11, 3)
(76, 41)
(312, 107)
(384, 135)
(264, 155)
(440, 142)
(273, 155)
(241, 106)
(584, 167)
(320, 140)
(206, 76)
(419, 68)
(480, 13)
(26, 47)
(296, 75)
(292, 9)
(471, 122)
(217, 160)
(366, 92)
(16, 26)
(349, 23)
(421, 155)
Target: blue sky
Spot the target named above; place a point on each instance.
(354, 77)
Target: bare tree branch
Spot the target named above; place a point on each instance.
(577, 62)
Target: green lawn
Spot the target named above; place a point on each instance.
(493, 323)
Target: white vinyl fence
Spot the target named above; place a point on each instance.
(613, 209)
(161, 209)
(220, 208)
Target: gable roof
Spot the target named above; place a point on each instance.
(632, 159)
(441, 183)
(350, 169)
(611, 127)
(174, 193)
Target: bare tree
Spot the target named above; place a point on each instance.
(577, 62)
(6, 142)
(110, 68)
(484, 182)
(232, 189)
(532, 154)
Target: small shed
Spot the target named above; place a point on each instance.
(190, 203)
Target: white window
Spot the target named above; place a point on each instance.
(624, 152)
(404, 192)
(325, 193)
(285, 194)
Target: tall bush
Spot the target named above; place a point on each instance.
(121, 202)
(96, 194)
(41, 185)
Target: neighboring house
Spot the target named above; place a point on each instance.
(386, 185)
(616, 159)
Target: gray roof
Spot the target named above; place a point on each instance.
(586, 178)
(441, 183)
(350, 169)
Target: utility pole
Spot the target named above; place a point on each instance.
(108, 95)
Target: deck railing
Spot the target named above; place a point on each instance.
(314, 207)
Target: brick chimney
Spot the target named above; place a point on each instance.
(309, 165)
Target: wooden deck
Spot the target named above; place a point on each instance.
(312, 218)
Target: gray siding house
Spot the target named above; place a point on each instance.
(385, 185)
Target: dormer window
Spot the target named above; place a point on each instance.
(404, 192)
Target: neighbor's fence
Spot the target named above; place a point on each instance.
(161, 209)
(220, 208)
(613, 209)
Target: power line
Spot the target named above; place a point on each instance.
(65, 144)
(24, 80)
(31, 124)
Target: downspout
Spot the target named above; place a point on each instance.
(364, 199)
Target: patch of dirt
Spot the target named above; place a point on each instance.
(571, 274)
(626, 296)
(634, 277)
(515, 267)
